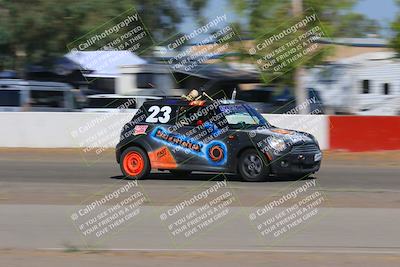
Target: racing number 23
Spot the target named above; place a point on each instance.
(155, 110)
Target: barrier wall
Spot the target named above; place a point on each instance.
(79, 129)
(364, 133)
(58, 129)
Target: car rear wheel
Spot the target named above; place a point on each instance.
(252, 167)
(180, 173)
(135, 163)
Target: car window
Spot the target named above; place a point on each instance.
(241, 114)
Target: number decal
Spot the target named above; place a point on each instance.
(166, 110)
(155, 110)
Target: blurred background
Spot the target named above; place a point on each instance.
(185, 45)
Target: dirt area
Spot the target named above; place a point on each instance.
(36, 258)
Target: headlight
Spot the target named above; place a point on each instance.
(278, 145)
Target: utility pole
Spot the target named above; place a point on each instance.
(300, 91)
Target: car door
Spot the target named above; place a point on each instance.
(206, 149)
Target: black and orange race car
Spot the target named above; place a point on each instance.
(224, 136)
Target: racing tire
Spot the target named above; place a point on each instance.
(134, 163)
(180, 173)
(252, 166)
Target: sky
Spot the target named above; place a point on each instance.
(384, 11)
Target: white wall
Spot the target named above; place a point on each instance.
(58, 129)
(317, 125)
(79, 129)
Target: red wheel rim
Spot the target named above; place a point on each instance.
(133, 163)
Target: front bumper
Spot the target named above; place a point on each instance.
(299, 163)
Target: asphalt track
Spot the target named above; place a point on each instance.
(358, 219)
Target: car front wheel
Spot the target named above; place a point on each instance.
(252, 167)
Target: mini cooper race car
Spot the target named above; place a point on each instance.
(227, 136)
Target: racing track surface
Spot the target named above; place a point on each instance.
(357, 223)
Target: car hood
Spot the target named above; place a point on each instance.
(290, 136)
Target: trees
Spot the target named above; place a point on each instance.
(36, 30)
(395, 41)
(268, 18)
(354, 25)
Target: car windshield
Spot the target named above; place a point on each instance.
(242, 114)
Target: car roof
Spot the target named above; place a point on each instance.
(183, 102)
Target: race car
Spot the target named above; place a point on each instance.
(221, 136)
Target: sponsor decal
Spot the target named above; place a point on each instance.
(215, 152)
(162, 158)
(140, 129)
(161, 153)
(178, 140)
